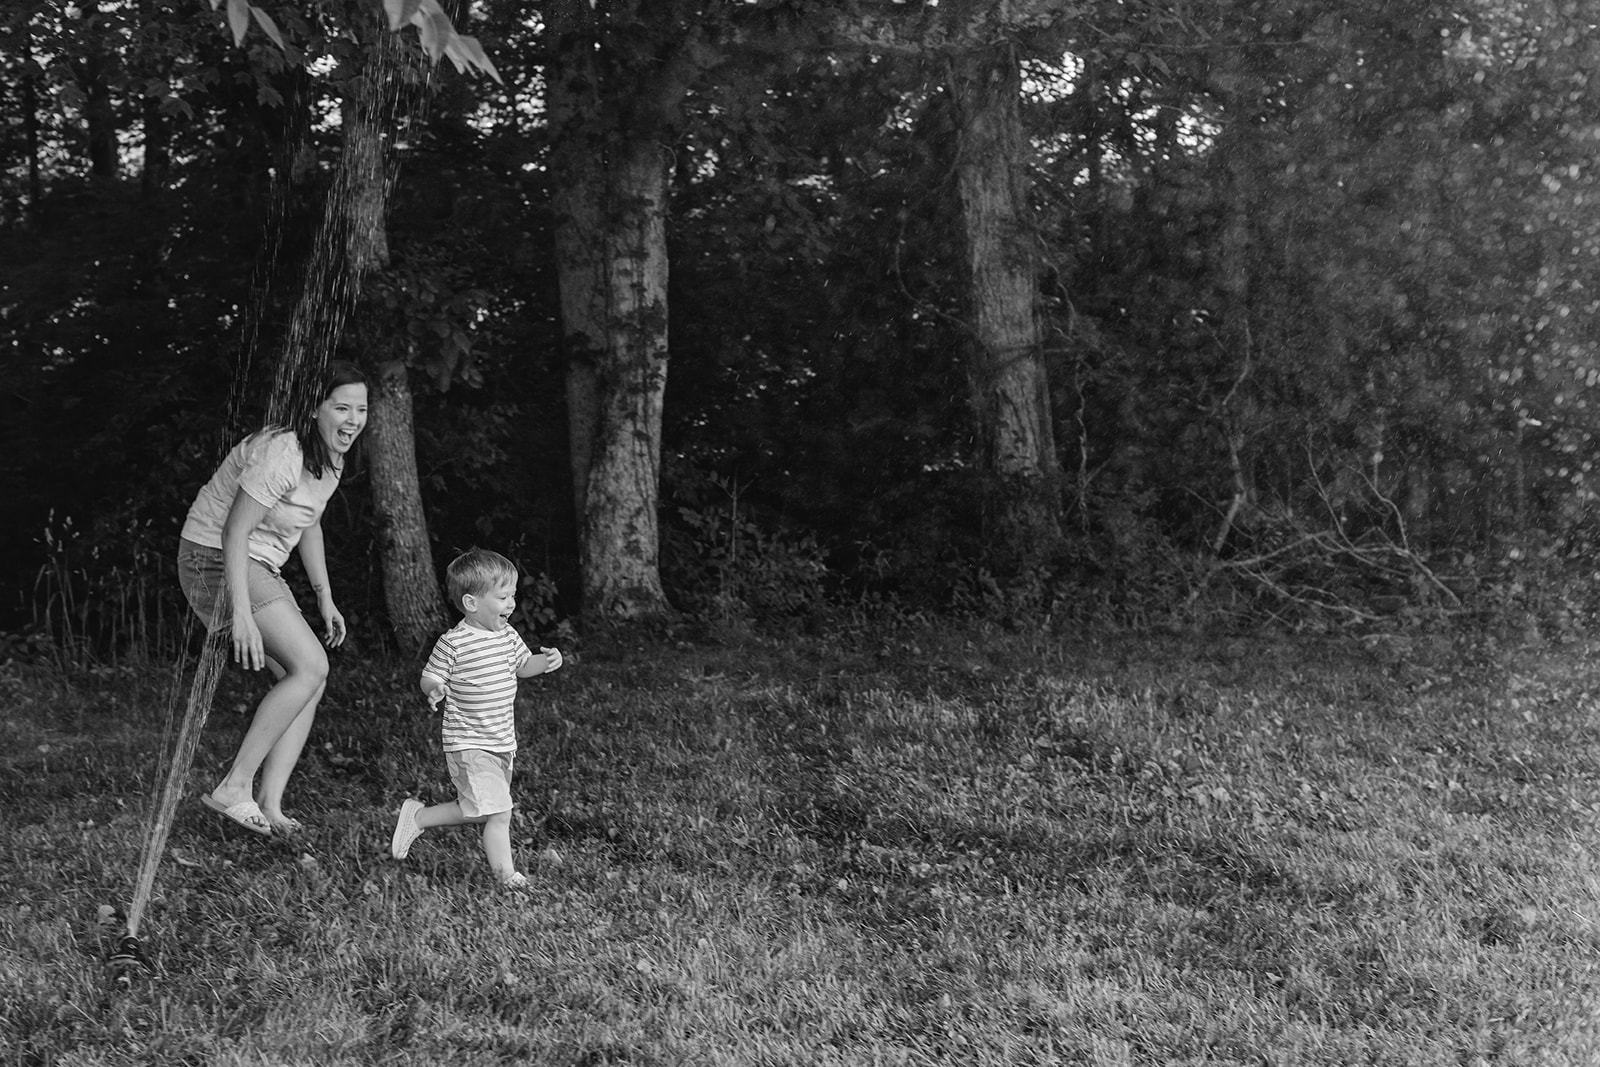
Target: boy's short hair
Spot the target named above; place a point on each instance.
(476, 571)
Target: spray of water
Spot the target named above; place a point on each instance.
(180, 755)
(331, 283)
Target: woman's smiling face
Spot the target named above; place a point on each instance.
(342, 417)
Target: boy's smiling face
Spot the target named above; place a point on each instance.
(492, 608)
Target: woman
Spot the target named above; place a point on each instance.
(265, 500)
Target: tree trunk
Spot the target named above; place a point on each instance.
(156, 126)
(30, 134)
(157, 149)
(101, 120)
(363, 180)
(411, 588)
(611, 179)
(410, 585)
(578, 195)
(99, 117)
(614, 302)
(1010, 386)
(1235, 300)
(620, 552)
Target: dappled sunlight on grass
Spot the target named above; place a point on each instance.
(920, 848)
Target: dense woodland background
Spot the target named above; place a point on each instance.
(1311, 290)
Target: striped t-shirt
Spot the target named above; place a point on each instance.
(479, 670)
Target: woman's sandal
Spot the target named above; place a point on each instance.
(247, 813)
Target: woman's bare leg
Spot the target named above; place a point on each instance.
(282, 721)
(282, 759)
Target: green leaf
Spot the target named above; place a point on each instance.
(268, 27)
(428, 33)
(452, 51)
(477, 57)
(238, 19)
(401, 12)
(444, 32)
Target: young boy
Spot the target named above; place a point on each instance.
(474, 670)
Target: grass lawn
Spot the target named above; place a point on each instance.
(924, 847)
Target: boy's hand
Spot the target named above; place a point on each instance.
(554, 656)
(435, 697)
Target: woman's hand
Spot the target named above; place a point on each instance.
(333, 624)
(248, 650)
(244, 515)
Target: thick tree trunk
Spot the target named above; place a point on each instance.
(362, 184)
(411, 588)
(613, 275)
(610, 202)
(578, 196)
(1010, 386)
(620, 552)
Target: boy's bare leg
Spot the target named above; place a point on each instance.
(496, 832)
(497, 844)
(446, 814)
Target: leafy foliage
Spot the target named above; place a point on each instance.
(725, 565)
(1311, 270)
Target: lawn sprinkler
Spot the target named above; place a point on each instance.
(127, 960)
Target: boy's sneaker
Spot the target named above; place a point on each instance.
(406, 829)
(517, 883)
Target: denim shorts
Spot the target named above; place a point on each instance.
(200, 573)
(482, 780)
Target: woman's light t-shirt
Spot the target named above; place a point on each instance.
(270, 467)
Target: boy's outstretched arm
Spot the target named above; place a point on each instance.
(542, 662)
(433, 688)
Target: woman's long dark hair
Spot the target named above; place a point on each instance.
(317, 458)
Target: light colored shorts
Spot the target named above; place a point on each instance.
(482, 780)
(200, 574)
